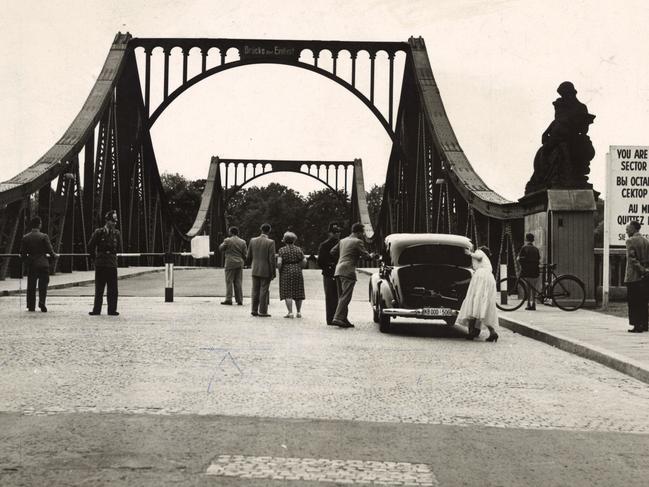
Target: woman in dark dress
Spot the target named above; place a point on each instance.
(291, 282)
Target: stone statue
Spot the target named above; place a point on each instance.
(563, 161)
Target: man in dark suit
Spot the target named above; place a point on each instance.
(103, 247)
(34, 249)
(234, 251)
(348, 251)
(635, 278)
(261, 253)
(529, 259)
(328, 265)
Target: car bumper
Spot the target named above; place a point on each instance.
(422, 313)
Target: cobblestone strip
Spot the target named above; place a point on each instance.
(323, 470)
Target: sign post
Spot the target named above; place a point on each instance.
(606, 258)
(627, 199)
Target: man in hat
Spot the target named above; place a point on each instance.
(35, 248)
(348, 251)
(103, 247)
(327, 263)
(635, 278)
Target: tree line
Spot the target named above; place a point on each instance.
(284, 208)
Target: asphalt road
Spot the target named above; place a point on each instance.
(195, 393)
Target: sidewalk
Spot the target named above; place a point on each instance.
(77, 278)
(589, 334)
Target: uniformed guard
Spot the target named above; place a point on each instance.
(104, 245)
(35, 248)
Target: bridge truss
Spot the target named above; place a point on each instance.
(106, 160)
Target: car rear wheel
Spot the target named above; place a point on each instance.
(374, 300)
(384, 320)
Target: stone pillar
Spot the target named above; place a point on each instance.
(563, 227)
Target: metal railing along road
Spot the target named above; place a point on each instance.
(168, 267)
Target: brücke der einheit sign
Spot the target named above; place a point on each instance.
(627, 190)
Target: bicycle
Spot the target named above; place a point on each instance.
(566, 291)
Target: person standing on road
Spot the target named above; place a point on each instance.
(34, 249)
(479, 305)
(234, 250)
(261, 253)
(348, 251)
(290, 261)
(529, 259)
(103, 247)
(636, 278)
(328, 265)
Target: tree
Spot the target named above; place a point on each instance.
(374, 199)
(276, 204)
(323, 207)
(184, 198)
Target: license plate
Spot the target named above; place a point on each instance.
(437, 312)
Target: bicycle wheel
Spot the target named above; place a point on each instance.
(568, 293)
(512, 293)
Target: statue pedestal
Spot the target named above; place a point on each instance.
(561, 221)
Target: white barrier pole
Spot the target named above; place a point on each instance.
(606, 260)
(169, 278)
(503, 284)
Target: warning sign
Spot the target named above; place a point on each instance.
(627, 190)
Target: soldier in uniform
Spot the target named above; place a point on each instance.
(104, 245)
(34, 249)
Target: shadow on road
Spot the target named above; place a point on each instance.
(425, 329)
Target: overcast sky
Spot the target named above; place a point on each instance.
(497, 63)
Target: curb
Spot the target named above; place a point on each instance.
(609, 359)
(81, 283)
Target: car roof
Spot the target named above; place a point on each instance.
(397, 242)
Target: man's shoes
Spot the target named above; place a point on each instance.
(263, 315)
(31, 309)
(113, 313)
(229, 303)
(530, 308)
(43, 308)
(240, 304)
(330, 324)
(635, 330)
(94, 313)
(342, 324)
(254, 313)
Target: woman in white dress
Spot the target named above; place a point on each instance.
(479, 306)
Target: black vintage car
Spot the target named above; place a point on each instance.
(422, 275)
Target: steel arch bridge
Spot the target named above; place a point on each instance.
(227, 176)
(106, 160)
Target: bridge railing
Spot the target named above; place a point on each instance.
(618, 268)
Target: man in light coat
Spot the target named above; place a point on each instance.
(635, 278)
(261, 254)
(348, 251)
(234, 251)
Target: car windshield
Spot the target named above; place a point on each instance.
(435, 254)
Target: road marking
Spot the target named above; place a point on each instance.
(323, 470)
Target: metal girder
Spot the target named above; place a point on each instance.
(11, 222)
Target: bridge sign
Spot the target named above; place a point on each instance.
(627, 190)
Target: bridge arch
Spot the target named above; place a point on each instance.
(171, 97)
